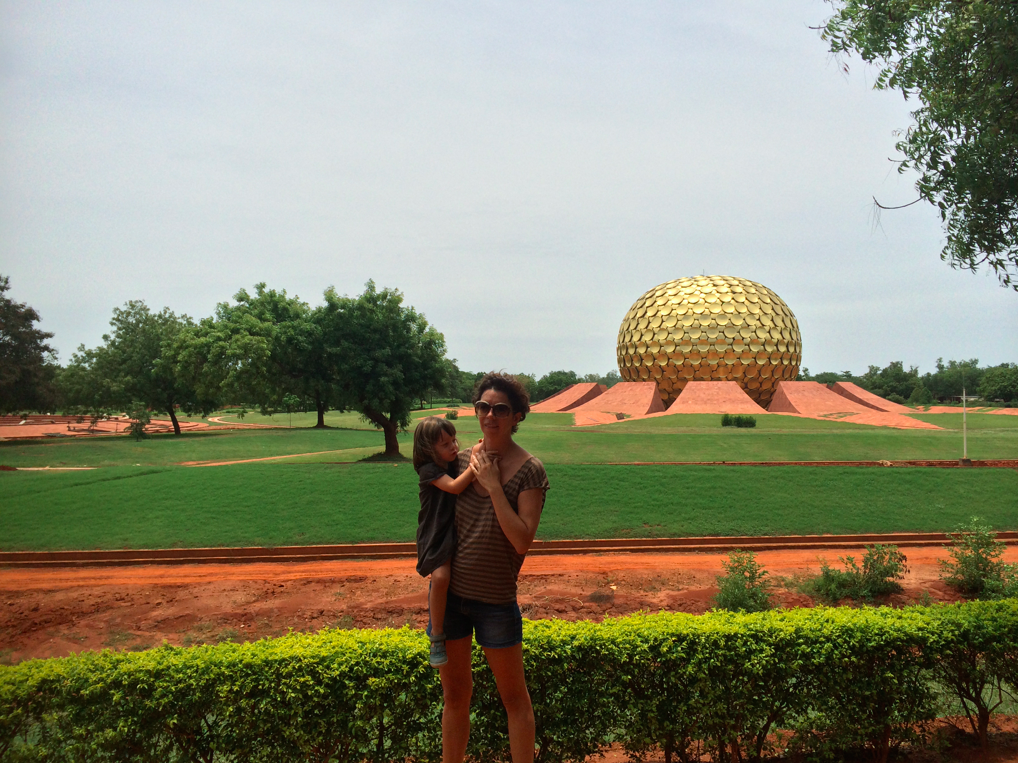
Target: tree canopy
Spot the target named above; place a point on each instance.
(261, 349)
(959, 60)
(135, 364)
(384, 357)
(27, 362)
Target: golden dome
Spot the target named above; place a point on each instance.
(710, 328)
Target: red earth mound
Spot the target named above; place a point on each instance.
(857, 394)
(572, 396)
(714, 397)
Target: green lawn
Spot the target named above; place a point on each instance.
(555, 440)
(166, 449)
(293, 504)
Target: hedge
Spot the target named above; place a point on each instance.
(814, 682)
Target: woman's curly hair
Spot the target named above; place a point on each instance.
(509, 386)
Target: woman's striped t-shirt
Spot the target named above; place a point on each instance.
(485, 565)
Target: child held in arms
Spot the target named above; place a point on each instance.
(435, 460)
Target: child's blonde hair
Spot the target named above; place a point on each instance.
(426, 435)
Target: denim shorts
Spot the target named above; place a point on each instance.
(496, 625)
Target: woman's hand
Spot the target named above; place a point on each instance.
(486, 466)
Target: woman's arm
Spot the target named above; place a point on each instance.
(520, 528)
(456, 486)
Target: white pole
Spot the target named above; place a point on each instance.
(964, 425)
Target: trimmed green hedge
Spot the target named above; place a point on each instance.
(828, 679)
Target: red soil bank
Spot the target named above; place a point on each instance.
(633, 398)
(857, 394)
(714, 397)
(572, 396)
(813, 400)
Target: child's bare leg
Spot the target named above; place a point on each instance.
(440, 578)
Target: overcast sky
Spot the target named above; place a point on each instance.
(522, 172)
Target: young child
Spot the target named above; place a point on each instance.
(435, 459)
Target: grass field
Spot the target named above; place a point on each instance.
(318, 493)
(296, 504)
(689, 437)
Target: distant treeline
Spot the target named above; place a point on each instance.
(893, 382)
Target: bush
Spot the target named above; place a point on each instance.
(743, 587)
(841, 680)
(976, 567)
(882, 567)
(920, 396)
(896, 398)
(731, 420)
(452, 415)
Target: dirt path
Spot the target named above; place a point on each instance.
(54, 612)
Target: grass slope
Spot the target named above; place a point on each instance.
(295, 504)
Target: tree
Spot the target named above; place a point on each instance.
(266, 346)
(1000, 383)
(383, 355)
(136, 363)
(959, 59)
(27, 364)
(949, 380)
(891, 380)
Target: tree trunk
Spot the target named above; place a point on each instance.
(391, 443)
(321, 408)
(984, 723)
(388, 426)
(173, 418)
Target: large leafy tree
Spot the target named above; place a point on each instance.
(959, 60)
(136, 363)
(384, 356)
(27, 362)
(263, 348)
(1000, 383)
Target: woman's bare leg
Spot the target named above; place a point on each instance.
(457, 688)
(437, 595)
(507, 666)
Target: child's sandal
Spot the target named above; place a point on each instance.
(437, 657)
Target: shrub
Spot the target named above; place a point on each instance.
(452, 415)
(140, 419)
(882, 567)
(839, 679)
(976, 567)
(743, 587)
(896, 398)
(732, 420)
(920, 396)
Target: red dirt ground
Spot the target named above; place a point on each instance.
(54, 612)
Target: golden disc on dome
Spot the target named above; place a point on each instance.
(670, 321)
(694, 331)
(668, 345)
(647, 334)
(644, 373)
(641, 347)
(653, 346)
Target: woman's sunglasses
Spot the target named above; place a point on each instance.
(498, 410)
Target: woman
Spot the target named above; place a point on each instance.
(496, 520)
